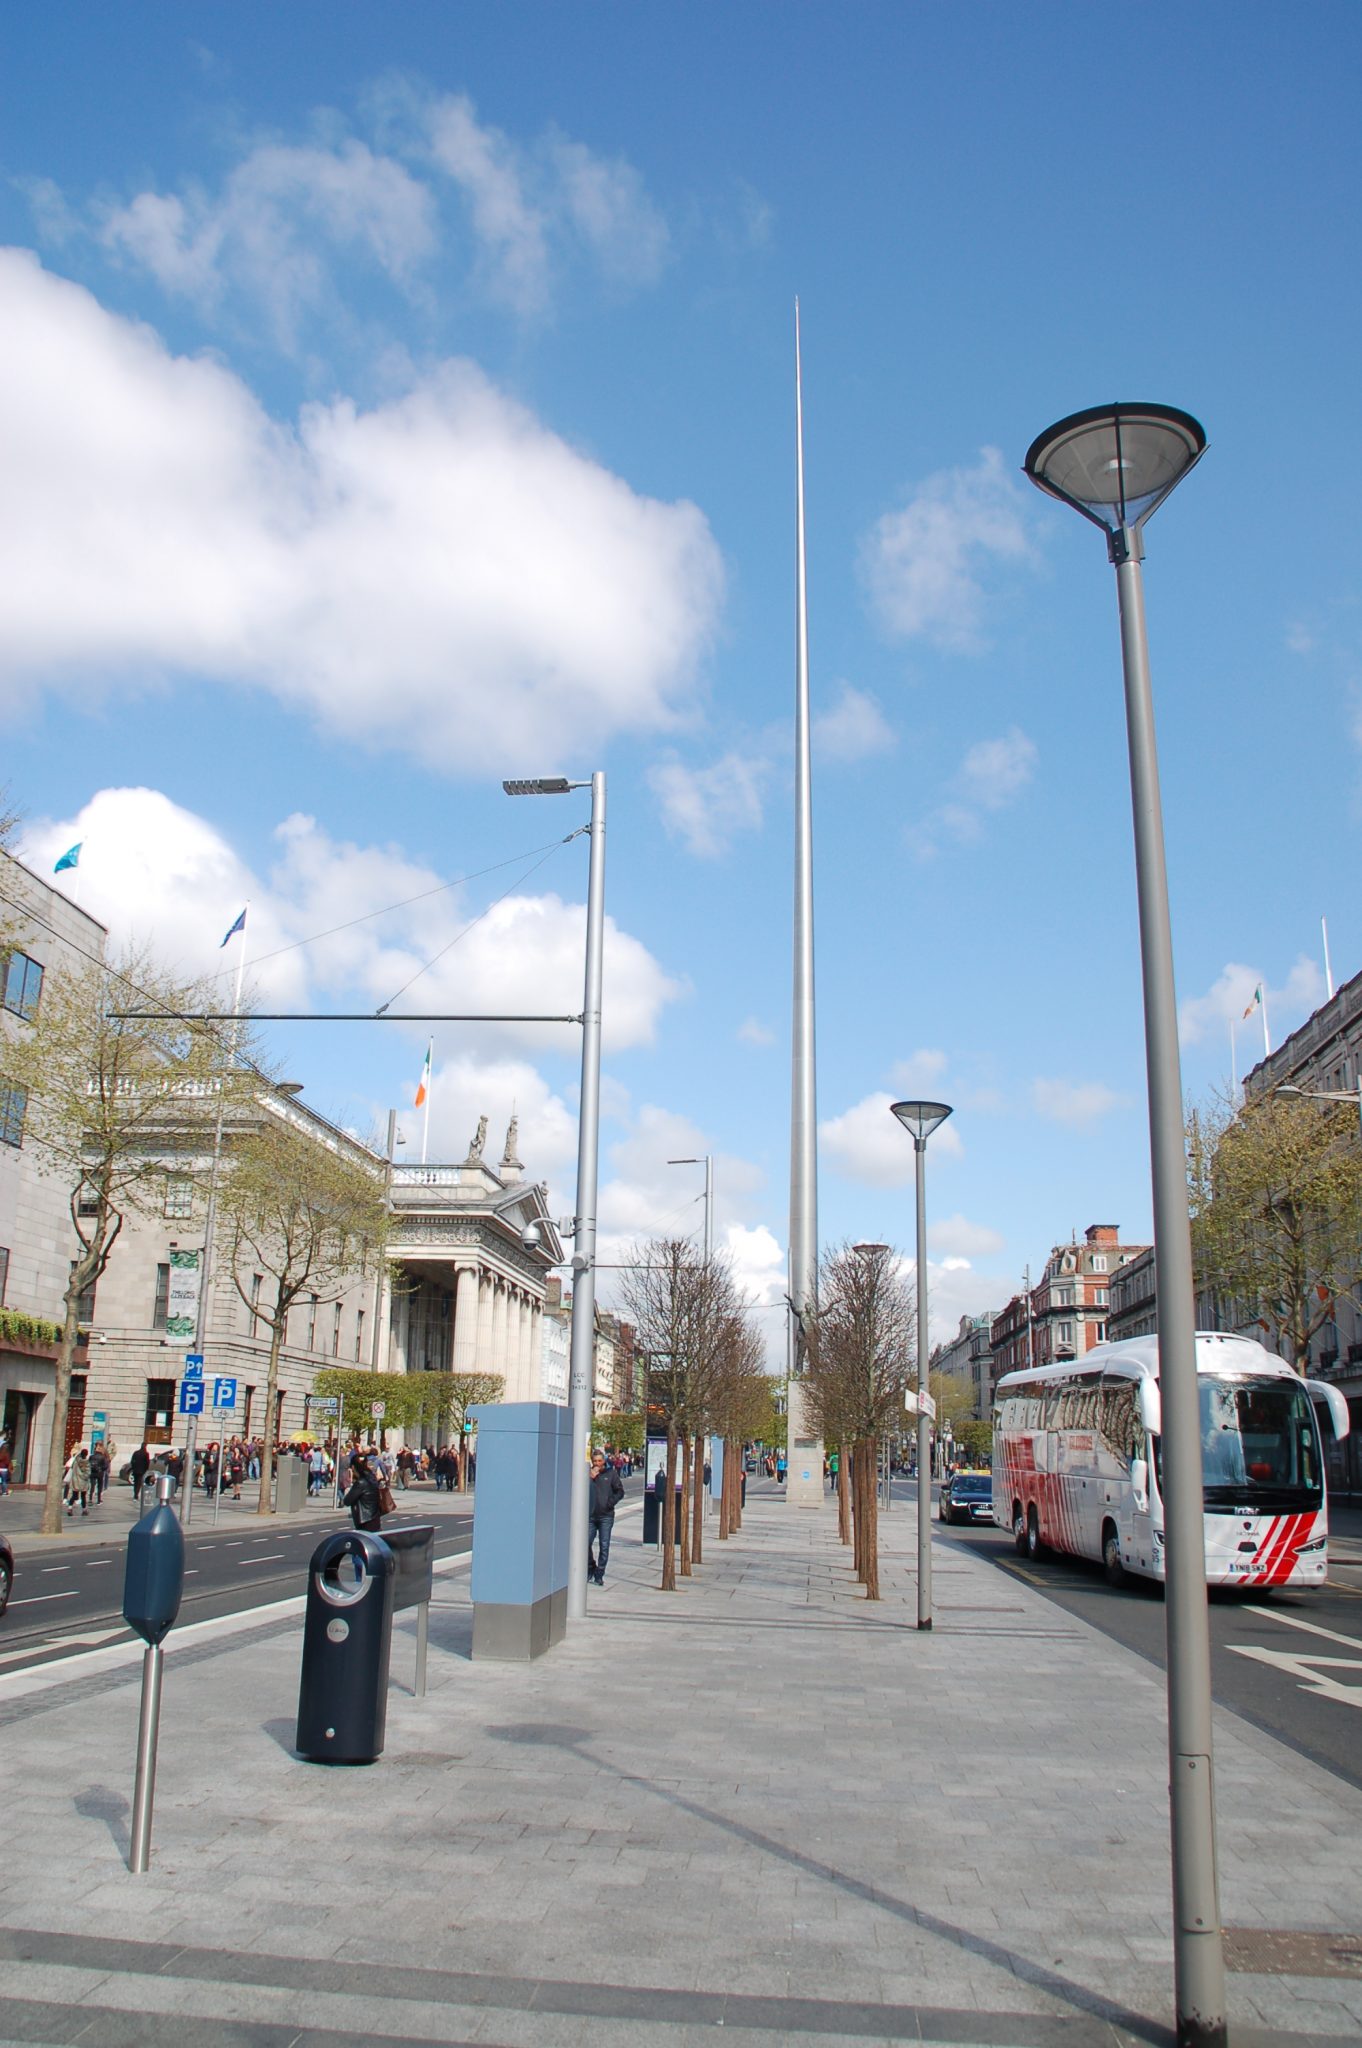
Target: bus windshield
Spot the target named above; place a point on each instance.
(1259, 1445)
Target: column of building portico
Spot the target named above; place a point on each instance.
(466, 1320)
(498, 1362)
(486, 1305)
(529, 1367)
(515, 1346)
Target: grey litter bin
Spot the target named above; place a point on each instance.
(347, 1637)
(290, 1485)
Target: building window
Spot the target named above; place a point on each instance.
(85, 1302)
(359, 1335)
(161, 1306)
(23, 985)
(312, 1322)
(179, 1203)
(159, 1410)
(1066, 1297)
(1099, 1262)
(4, 1272)
(13, 1104)
(1065, 1334)
(335, 1332)
(1100, 1333)
(1100, 1297)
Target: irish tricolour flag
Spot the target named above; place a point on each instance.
(423, 1087)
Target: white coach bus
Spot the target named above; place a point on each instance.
(1077, 1466)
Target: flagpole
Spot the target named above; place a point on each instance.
(1328, 970)
(1267, 1042)
(1234, 1065)
(425, 1121)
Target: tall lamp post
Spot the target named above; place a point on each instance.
(1353, 1095)
(921, 1119)
(581, 1368)
(708, 1163)
(1116, 464)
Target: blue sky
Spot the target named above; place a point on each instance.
(393, 399)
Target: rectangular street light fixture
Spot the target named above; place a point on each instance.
(540, 785)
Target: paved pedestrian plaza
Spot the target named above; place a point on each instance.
(758, 1805)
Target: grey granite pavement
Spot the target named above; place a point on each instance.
(759, 1804)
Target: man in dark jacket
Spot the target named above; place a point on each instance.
(361, 1496)
(605, 1493)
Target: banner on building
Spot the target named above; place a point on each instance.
(182, 1301)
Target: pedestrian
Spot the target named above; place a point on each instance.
(780, 1468)
(236, 1466)
(99, 1472)
(139, 1465)
(362, 1496)
(78, 1482)
(6, 1466)
(605, 1492)
(316, 1470)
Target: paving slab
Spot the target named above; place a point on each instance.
(759, 1803)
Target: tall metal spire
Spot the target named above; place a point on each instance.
(805, 1455)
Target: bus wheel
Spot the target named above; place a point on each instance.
(1019, 1529)
(1034, 1547)
(1111, 1557)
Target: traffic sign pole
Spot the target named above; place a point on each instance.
(193, 1369)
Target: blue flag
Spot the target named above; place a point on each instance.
(232, 930)
(71, 857)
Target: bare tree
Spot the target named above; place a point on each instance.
(308, 1210)
(860, 1360)
(110, 1103)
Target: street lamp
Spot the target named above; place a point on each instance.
(921, 1119)
(1353, 1095)
(1116, 464)
(582, 1366)
(708, 1163)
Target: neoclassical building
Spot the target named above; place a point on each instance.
(469, 1295)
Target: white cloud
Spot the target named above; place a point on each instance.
(149, 868)
(919, 1072)
(867, 1143)
(753, 1032)
(924, 566)
(1223, 1006)
(484, 164)
(854, 728)
(1078, 1104)
(992, 775)
(440, 574)
(758, 1262)
(958, 1238)
(466, 1088)
(706, 807)
(274, 226)
(612, 213)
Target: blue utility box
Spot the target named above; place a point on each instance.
(520, 1528)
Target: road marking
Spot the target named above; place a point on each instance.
(93, 1563)
(1313, 1628)
(36, 1599)
(56, 1568)
(1313, 1673)
(271, 1557)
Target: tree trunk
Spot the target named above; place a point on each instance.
(735, 1505)
(687, 1468)
(725, 1493)
(843, 1497)
(698, 1516)
(265, 1504)
(51, 1524)
(668, 1528)
(871, 1555)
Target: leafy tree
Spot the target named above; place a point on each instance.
(954, 1398)
(307, 1210)
(108, 1100)
(1275, 1191)
(412, 1400)
(975, 1439)
(621, 1430)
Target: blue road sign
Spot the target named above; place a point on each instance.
(191, 1397)
(224, 1393)
(193, 1365)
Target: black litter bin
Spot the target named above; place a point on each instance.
(347, 1635)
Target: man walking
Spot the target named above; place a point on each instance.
(605, 1493)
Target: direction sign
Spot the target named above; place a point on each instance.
(224, 1393)
(191, 1397)
(193, 1365)
(324, 1404)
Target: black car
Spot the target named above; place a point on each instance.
(6, 1572)
(967, 1497)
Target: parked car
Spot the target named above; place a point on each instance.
(6, 1571)
(967, 1497)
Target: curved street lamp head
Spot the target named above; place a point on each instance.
(921, 1118)
(1116, 463)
